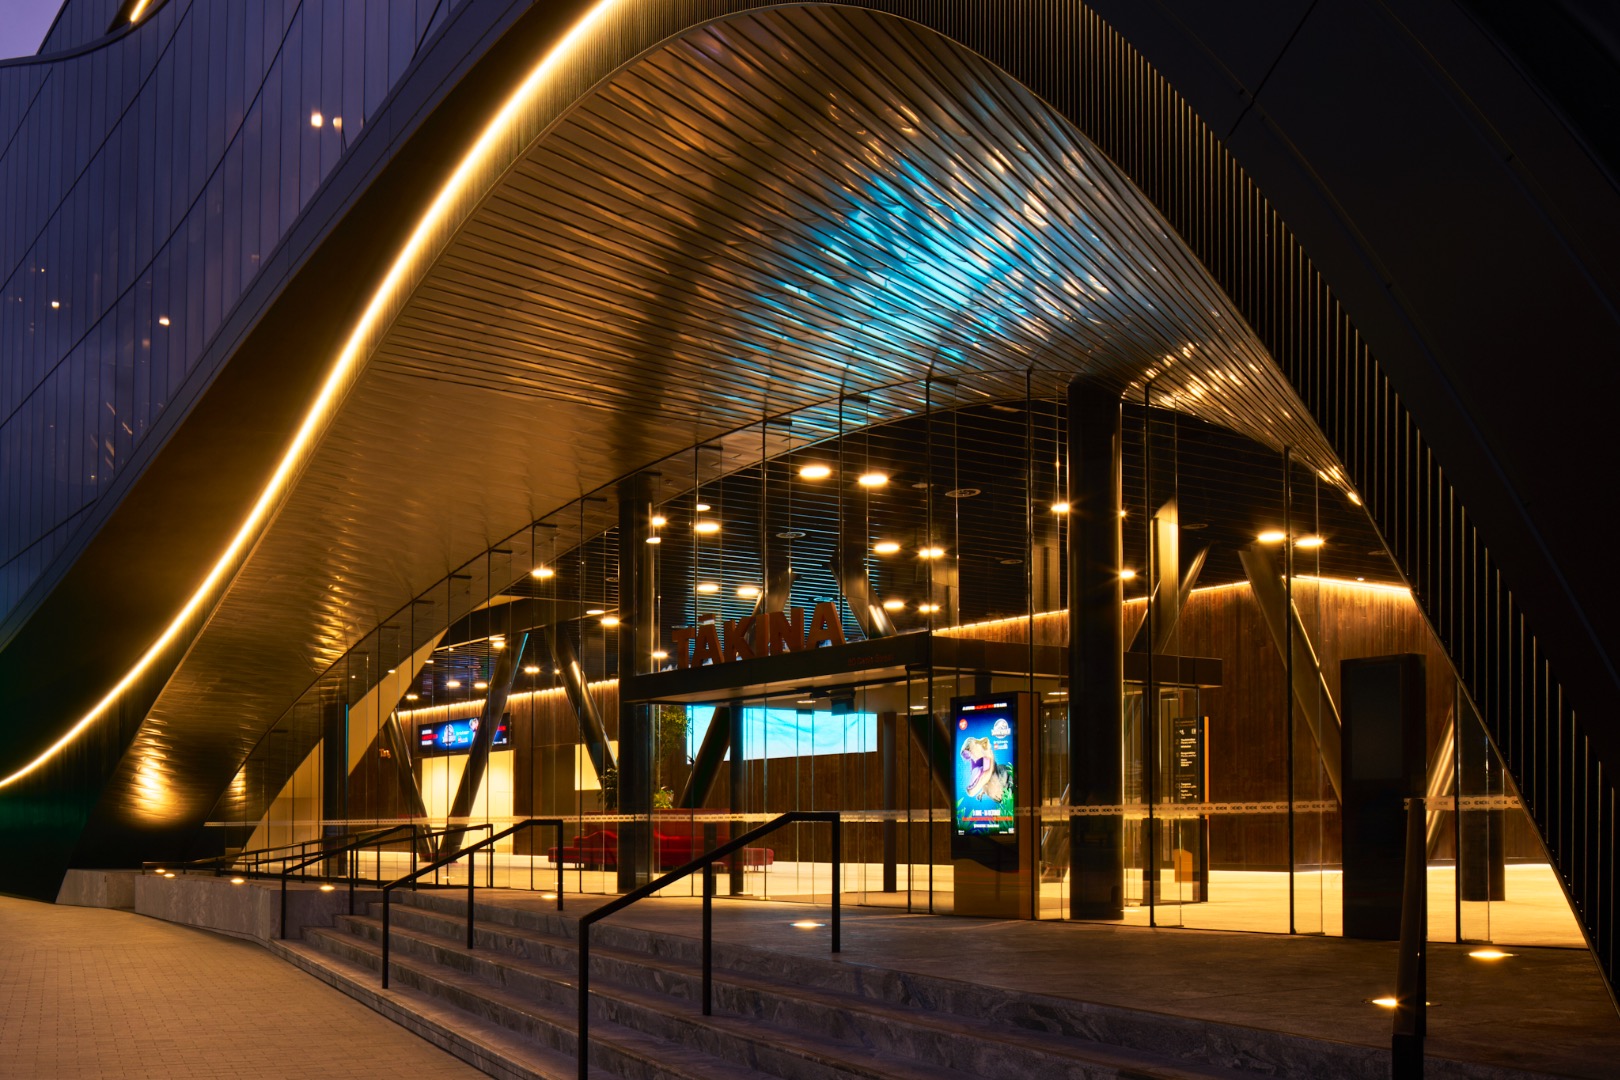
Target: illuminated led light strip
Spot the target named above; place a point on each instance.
(495, 136)
(135, 13)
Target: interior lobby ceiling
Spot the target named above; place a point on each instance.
(750, 221)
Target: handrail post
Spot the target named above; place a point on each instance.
(1411, 979)
(708, 939)
(837, 890)
(559, 864)
(284, 905)
(583, 1051)
(472, 876)
(385, 940)
(354, 860)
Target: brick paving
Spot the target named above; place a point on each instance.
(86, 992)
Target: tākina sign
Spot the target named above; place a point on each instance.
(767, 634)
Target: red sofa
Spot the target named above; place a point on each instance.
(674, 840)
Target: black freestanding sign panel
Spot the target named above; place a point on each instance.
(1383, 766)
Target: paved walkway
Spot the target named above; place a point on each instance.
(86, 992)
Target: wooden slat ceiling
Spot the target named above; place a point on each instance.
(749, 221)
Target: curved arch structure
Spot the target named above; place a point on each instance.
(636, 227)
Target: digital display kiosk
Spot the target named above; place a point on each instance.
(993, 792)
(456, 736)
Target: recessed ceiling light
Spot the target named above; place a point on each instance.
(238, 881)
(961, 493)
(660, 654)
(655, 539)
(814, 472)
(927, 609)
(748, 592)
(610, 620)
(1272, 536)
(480, 685)
(1127, 575)
(806, 701)
(1309, 542)
(316, 119)
(596, 611)
(1060, 508)
(807, 924)
(703, 508)
(872, 479)
(454, 684)
(531, 669)
(413, 697)
(894, 605)
(169, 875)
(55, 304)
(163, 320)
(789, 534)
(1490, 954)
(708, 587)
(1361, 579)
(1194, 526)
(707, 527)
(542, 572)
(331, 888)
(931, 553)
(886, 547)
(659, 520)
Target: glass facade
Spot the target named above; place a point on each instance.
(830, 589)
(147, 181)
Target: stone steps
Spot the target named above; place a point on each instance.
(777, 1015)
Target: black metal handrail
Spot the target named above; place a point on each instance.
(217, 863)
(379, 837)
(472, 876)
(1411, 976)
(705, 863)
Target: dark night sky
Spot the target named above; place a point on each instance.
(23, 23)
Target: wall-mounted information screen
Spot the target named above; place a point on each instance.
(986, 784)
(456, 736)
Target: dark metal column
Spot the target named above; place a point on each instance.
(638, 636)
(1096, 654)
(472, 777)
(734, 715)
(889, 754)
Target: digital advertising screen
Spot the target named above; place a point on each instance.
(456, 736)
(986, 787)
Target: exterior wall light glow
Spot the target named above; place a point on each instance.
(541, 573)
(436, 223)
(55, 304)
(872, 479)
(707, 527)
(238, 881)
(316, 119)
(328, 888)
(1490, 954)
(163, 320)
(885, 547)
(814, 472)
(1272, 536)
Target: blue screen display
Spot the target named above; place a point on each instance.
(787, 733)
(456, 736)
